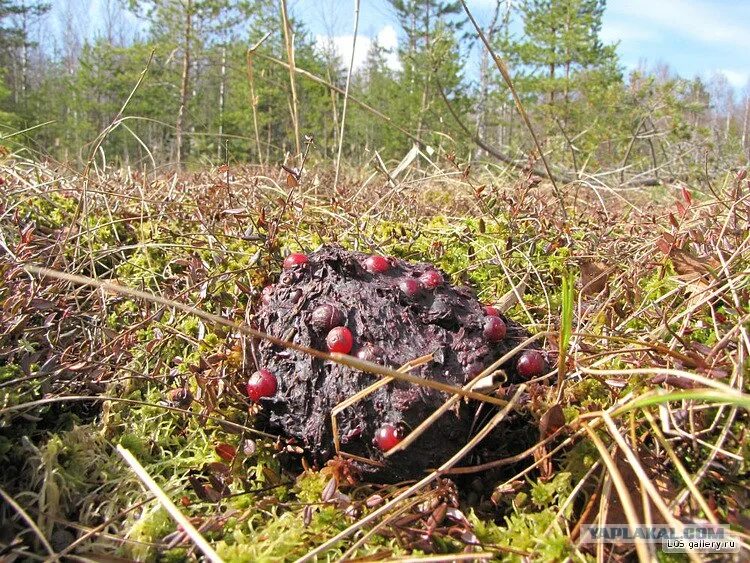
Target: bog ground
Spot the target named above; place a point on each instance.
(641, 296)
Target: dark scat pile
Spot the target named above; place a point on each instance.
(389, 328)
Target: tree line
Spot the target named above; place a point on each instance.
(211, 81)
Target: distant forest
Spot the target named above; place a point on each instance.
(217, 81)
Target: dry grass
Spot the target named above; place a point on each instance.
(653, 378)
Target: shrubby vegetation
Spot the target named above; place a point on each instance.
(206, 97)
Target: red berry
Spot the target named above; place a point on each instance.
(491, 311)
(377, 264)
(266, 294)
(326, 317)
(494, 329)
(530, 364)
(295, 259)
(410, 287)
(387, 436)
(431, 279)
(261, 384)
(340, 340)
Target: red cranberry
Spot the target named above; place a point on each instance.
(410, 287)
(387, 436)
(377, 264)
(266, 294)
(491, 311)
(530, 364)
(340, 340)
(326, 317)
(261, 384)
(431, 279)
(494, 329)
(295, 259)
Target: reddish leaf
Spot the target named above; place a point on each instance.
(551, 421)
(663, 245)
(212, 495)
(225, 451)
(686, 196)
(246, 289)
(218, 467)
(27, 233)
(681, 208)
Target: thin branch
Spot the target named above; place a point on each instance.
(517, 99)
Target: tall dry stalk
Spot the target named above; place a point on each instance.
(253, 96)
(346, 95)
(289, 44)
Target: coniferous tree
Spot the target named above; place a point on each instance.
(16, 19)
(561, 40)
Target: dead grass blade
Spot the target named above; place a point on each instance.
(644, 553)
(289, 45)
(30, 522)
(169, 506)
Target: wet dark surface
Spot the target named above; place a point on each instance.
(389, 328)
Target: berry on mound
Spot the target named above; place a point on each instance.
(530, 364)
(340, 340)
(261, 384)
(410, 287)
(371, 353)
(295, 259)
(431, 279)
(377, 264)
(494, 329)
(387, 436)
(491, 311)
(326, 317)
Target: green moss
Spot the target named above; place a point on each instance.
(310, 486)
(580, 458)
(150, 527)
(591, 393)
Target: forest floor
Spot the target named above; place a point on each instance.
(642, 294)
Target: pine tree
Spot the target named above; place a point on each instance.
(431, 60)
(188, 24)
(16, 19)
(561, 40)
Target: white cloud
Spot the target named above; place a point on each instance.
(737, 78)
(386, 37)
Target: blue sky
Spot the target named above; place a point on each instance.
(695, 37)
